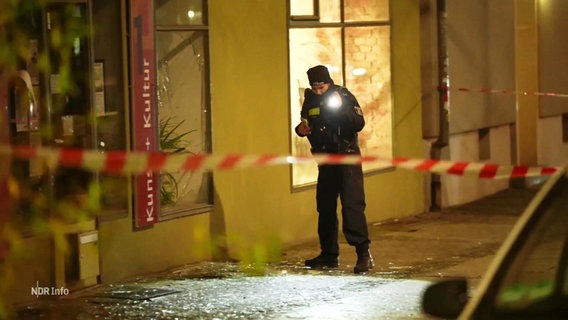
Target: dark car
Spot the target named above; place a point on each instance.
(528, 278)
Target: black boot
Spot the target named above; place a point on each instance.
(364, 262)
(323, 261)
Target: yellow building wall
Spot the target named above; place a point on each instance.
(125, 252)
(27, 267)
(255, 208)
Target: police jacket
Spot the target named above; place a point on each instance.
(334, 118)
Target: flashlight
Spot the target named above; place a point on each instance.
(334, 101)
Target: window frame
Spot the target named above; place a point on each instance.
(299, 22)
(170, 213)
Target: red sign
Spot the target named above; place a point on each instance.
(144, 113)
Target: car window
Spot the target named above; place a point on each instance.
(537, 277)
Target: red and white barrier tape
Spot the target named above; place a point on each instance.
(506, 91)
(134, 163)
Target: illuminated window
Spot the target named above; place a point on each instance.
(366, 10)
(180, 12)
(183, 102)
(304, 9)
(351, 38)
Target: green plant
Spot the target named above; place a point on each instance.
(171, 141)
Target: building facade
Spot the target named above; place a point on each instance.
(223, 76)
(193, 77)
(506, 102)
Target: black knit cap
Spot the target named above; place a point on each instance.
(319, 75)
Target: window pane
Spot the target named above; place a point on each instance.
(183, 114)
(302, 8)
(179, 12)
(366, 10)
(368, 76)
(309, 47)
(329, 11)
(110, 136)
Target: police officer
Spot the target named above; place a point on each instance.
(331, 119)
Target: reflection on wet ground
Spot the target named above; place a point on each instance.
(458, 242)
(228, 291)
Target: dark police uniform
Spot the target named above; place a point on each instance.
(334, 130)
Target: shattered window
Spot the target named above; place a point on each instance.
(183, 106)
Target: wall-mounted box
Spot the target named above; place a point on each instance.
(83, 257)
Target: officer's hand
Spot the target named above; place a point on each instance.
(304, 129)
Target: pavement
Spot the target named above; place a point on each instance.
(409, 253)
(436, 244)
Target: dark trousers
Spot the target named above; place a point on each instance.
(345, 181)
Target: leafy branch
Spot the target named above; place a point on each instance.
(171, 142)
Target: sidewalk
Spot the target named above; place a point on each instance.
(459, 241)
(434, 244)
